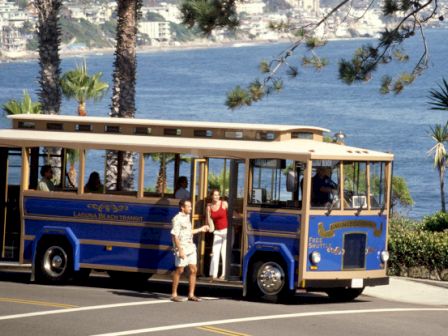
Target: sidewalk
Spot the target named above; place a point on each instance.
(409, 290)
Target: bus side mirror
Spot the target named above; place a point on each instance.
(291, 181)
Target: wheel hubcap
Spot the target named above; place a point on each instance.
(271, 278)
(55, 261)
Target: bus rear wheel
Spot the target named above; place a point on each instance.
(54, 263)
(344, 294)
(268, 281)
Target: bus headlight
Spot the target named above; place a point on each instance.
(384, 256)
(315, 257)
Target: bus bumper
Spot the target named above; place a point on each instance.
(344, 283)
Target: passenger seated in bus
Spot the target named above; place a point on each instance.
(45, 183)
(181, 191)
(322, 187)
(94, 185)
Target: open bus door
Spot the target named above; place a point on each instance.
(199, 173)
(235, 235)
(10, 227)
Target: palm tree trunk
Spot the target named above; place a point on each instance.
(124, 79)
(442, 188)
(49, 37)
(82, 109)
(161, 177)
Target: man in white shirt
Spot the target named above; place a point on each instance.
(185, 249)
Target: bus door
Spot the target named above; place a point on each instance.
(235, 217)
(199, 173)
(10, 179)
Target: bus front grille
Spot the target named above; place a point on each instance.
(354, 251)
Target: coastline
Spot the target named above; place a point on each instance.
(194, 45)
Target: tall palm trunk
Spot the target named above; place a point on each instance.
(120, 165)
(49, 37)
(442, 187)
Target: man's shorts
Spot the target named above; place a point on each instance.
(191, 259)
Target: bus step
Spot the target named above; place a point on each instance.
(14, 266)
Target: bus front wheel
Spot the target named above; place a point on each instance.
(54, 263)
(344, 294)
(268, 281)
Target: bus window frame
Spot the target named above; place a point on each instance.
(347, 210)
(278, 208)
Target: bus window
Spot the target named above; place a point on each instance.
(159, 174)
(94, 181)
(70, 181)
(218, 176)
(126, 184)
(355, 185)
(377, 184)
(325, 184)
(46, 169)
(275, 183)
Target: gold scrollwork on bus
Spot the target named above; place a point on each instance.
(106, 207)
(349, 224)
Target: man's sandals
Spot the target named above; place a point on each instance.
(194, 298)
(190, 298)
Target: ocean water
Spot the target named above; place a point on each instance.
(192, 85)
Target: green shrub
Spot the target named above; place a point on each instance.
(410, 245)
(437, 222)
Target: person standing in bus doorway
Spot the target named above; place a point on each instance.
(217, 213)
(185, 250)
(45, 183)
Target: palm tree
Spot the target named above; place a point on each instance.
(26, 106)
(439, 134)
(439, 98)
(439, 101)
(77, 84)
(49, 37)
(120, 164)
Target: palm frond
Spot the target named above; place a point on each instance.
(439, 97)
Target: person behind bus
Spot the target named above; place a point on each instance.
(45, 183)
(181, 191)
(322, 187)
(185, 249)
(94, 185)
(217, 212)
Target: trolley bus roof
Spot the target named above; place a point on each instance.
(298, 149)
(166, 123)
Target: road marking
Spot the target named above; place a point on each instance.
(80, 309)
(266, 317)
(38, 303)
(222, 331)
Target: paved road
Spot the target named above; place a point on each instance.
(99, 307)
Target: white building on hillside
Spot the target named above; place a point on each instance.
(159, 30)
(312, 6)
(170, 12)
(250, 7)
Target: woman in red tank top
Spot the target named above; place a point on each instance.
(217, 212)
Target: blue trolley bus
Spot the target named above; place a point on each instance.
(304, 213)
